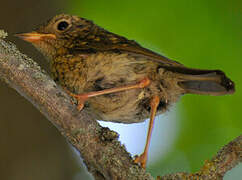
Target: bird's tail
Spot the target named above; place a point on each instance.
(210, 82)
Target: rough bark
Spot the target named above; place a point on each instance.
(103, 154)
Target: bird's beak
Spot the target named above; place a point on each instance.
(34, 36)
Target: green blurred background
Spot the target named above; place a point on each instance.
(200, 34)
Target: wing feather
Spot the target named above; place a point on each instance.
(100, 39)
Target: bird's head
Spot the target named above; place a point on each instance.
(59, 35)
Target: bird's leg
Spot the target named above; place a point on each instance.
(81, 98)
(142, 159)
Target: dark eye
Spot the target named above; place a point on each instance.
(62, 25)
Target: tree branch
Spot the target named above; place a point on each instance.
(103, 154)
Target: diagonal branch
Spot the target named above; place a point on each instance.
(103, 154)
(226, 159)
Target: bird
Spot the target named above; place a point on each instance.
(116, 79)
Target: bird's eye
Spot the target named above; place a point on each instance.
(62, 25)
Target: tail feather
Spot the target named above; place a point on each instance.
(210, 82)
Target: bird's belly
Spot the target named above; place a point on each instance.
(124, 107)
(105, 71)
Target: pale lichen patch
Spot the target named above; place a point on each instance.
(50, 85)
(21, 67)
(3, 34)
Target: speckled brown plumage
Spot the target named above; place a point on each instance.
(86, 58)
(107, 70)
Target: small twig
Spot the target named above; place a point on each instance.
(226, 159)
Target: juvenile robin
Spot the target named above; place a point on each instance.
(116, 79)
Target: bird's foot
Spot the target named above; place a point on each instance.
(81, 98)
(141, 160)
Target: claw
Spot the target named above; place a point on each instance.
(142, 159)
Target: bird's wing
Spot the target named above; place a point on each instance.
(136, 49)
(102, 40)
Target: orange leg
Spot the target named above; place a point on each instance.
(81, 98)
(142, 159)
